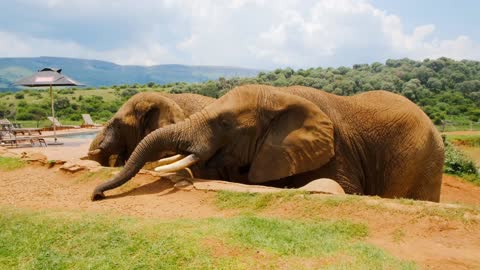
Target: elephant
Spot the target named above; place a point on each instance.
(137, 117)
(373, 143)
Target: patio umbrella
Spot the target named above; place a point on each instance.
(48, 77)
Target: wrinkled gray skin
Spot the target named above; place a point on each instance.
(138, 116)
(374, 143)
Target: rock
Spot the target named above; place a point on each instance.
(9, 154)
(216, 185)
(33, 157)
(80, 165)
(323, 185)
(184, 185)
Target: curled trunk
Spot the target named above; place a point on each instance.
(100, 149)
(147, 150)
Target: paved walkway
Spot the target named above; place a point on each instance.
(71, 149)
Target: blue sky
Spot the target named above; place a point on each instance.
(248, 33)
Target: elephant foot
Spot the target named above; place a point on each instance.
(97, 195)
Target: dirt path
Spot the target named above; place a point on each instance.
(39, 188)
(455, 190)
(431, 241)
(465, 132)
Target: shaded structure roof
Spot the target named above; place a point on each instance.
(47, 77)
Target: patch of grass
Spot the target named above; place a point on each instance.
(334, 201)
(450, 213)
(254, 201)
(398, 235)
(299, 238)
(311, 206)
(369, 257)
(457, 163)
(467, 140)
(258, 201)
(45, 241)
(406, 201)
(59, 240)
(472, 178)
(103, 173)
(10, 163)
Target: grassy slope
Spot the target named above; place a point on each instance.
(60, 240)
(8, 163)
(291, 230)
(108, 95)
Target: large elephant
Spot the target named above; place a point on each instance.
(140, 115)
(374, 143)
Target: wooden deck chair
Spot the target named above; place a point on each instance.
(88, 122)
(8, 138)
(17, 128)
(59, 125)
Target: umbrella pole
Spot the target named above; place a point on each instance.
(53, 115)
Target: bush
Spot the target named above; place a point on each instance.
(19, 96)
(457, 163)
(128, 93)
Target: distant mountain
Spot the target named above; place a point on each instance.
(102, 73)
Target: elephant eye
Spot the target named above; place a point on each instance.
(225, 124)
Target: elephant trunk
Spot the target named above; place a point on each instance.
(163, 139)
(97, 148)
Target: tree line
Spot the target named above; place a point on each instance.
(445, 89)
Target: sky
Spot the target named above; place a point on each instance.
(259, 34)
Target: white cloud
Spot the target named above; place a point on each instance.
(251, 33)
(145, 53)
(335, 25)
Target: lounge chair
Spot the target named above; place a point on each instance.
(8, 138)
(59, 125)
(88, 122)
(17, 128)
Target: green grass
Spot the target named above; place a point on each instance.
(254, 201)
(10, 163)
(60, 240)
(471, 178)
(466, 140)
(310, 206)
(259, 201)
(458, 127)
(45, 123)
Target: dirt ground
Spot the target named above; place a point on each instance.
(465, 132)
(431, 241)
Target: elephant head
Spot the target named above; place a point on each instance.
(268, 133)
(140, 115)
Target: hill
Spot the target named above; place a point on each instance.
(447, 90)
(101, 73)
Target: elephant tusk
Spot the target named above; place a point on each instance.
(189, 172)
(178, 165)
(94, 152)
(169, 160)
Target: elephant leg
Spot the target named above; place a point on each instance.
(428, 187)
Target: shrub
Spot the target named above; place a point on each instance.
(128, 93)
(456, 162)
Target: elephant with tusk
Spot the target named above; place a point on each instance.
(374, 143)
(140, 115)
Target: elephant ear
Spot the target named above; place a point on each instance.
(299, 139)
(151, 115)
(144, 113)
